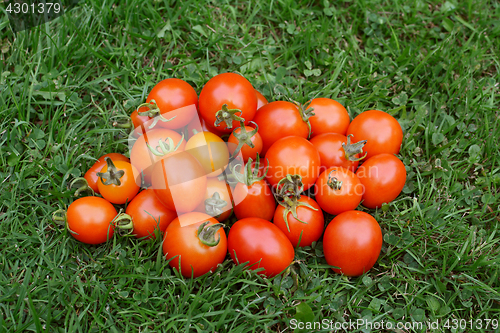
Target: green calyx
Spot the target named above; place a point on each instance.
(352, 149)
(249, 176)
(153, 112)
(82, 184)
(227, 115)
(306, 112)
(206, 235)
(214, 205)
(124, 223)
(165, 147)
(60, 217)
(112, 174)
(333, 182)
(244, 137)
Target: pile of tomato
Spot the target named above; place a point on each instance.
(278, 167)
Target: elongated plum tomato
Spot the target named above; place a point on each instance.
(329, 117)
(117, 182)
(295, 156)
(91, 175)
(193, 249)
(381, 130)
(309, 226)
(261, 100)
(335, 150)
(352, 242)
(383, 177)
(179, 182)
(338, 190)
(261, 244)
(277, 120)
(233, 90)
(149, 215)
(210, 150)
(170, 95)
(153, 146)
(90, 220)
(220, 205)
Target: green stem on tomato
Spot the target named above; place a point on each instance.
(206, 235)
(112, 174)
(227, 115)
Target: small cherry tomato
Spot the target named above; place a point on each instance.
(336, 150)
(329, 117)
(210, 150)
(91, 174)
(218, 201)
(261, 100)
(117, 182)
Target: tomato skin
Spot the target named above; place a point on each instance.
(171, 94)
(90, 218)
(210, 150)
(332, 154)
(346, 198)
(246, 151)
(179, 182)
(277, 120)
(311, 230)
(254, 239)
(295, 156)
(91, 176)
(126, 191)
(231, 89)
(381, 130)
(261, 100)
(352, 242)
(194, 256)
(149, 214)
(221, 187)
(140, 123)
(256, 200)
(329, 117)
(383, 177)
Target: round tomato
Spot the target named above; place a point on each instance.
(261, 244)
(153, 146)
(197, 247)
(91, 175)
(295, 156)
(149, 214)
(336, 150)
(302, 222)
(381, 131)
(210, 150)
(218, 201)
(261, 100)
(329, 117)
(233, 91)
(89, 220)
(117, 182)
(338, 190)
(277, 120)
(383, 177)
(352, 242)
(246, 140)
(179, 182)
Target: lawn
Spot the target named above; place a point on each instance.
(433, 65)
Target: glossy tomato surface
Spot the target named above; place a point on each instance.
(329, 117)
(256, 200)
(261, 100)
(91, 174)
(123, 192)
(332, 154)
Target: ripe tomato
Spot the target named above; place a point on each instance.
(261, 100)
(242, 141)
(261, 244)
(117, 182)
(140, 123)
(277, 120)
(381, 130)
(220, 205)
(383, 177)
(170, 95)
(338, 190)
(149, 214)
(91, 175)
(196, 248)
(336, 150)
(179, 182)
(200, 125)
(229, 89)
(295, 156)
(352, 242)
(90, 220)
(307, 227)
(210, 150)
(162, 142)
(329, 117)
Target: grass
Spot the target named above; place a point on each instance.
(432, 65)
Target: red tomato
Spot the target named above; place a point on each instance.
(352, 242)
(336, 150)
(233, 90)
(338, 190)
(140, 123)
(179, 182)
(383, 177)
(307, 227)
(381, 130)
(91, 175)
(295, 156)
(277, 120)
(90, 220)
(329, 117)
(261, 100)
(243, 142)
(170, 95)
(200, 125)
(194, 251)
(215, 206)
(149, 214)
(118, 185)
(261, 244)
(210, 150)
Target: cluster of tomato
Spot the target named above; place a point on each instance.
(278, 166)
